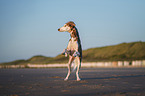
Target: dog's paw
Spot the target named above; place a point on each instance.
(78, 79)
(76, 54)
(63, 52)
(65, 79)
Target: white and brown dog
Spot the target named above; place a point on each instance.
(74, 49)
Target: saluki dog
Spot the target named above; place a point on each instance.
(74, 49)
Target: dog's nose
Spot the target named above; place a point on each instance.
(58, 29)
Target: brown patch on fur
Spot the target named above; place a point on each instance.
(71, 24)
(74, 33)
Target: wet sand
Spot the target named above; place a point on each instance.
(95, 82)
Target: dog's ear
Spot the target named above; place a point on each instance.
(71, 24)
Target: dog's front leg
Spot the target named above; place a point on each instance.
(71, 58)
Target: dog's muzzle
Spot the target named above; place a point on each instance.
(59, 29)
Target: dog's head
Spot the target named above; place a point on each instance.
(68, 27)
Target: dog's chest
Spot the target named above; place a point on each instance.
(73, 40)
(72, 44)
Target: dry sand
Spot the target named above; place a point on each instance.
(95, 82)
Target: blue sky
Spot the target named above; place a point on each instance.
(29, 27)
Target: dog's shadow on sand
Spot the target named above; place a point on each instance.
(113, 77)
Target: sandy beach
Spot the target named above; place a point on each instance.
(95, 82)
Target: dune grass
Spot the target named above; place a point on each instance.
(123, 51)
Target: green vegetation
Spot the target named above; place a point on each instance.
(124, 51)
(17, 62)
(47, 60)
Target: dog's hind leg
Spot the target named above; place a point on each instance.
(78, 68)
(71, 58)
